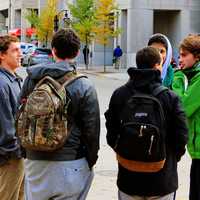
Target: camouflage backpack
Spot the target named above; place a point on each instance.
(42, 119)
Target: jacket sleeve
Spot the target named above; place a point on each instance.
(188, 93)
(90, 116)
(28, 86)
(113, 121)
(179, 129)
(8, 139)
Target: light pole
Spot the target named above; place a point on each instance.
(66, 20)
(9, 15)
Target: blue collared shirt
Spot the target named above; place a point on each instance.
(10, 86)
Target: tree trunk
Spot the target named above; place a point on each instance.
(87, 54)
(104, 55)
(46, 40)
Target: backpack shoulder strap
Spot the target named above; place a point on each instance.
(158, 90)
(51, 80)
(69, 78)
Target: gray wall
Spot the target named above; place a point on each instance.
(140, 26)
(123, 37)
(3, 28)
(195, 21)
(176, 19)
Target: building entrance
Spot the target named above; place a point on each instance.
(168, 23)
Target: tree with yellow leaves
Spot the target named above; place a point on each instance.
(44, 23)
(106, 14)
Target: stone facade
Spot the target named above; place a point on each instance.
(12, 14)
(139, 19)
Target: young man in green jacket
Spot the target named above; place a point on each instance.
(186, 84)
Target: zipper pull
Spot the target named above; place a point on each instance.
(150, 147)
(142, 127)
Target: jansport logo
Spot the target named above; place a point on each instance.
(141, 115)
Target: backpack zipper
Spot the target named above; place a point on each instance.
(141, 130)
(150, 147)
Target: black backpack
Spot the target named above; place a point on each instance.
(141, 145)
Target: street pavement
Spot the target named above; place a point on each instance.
(104, 184)
(111, 72)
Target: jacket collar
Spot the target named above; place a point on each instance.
(191, 72)
(144, 77)
(10, 76)
(50, 69)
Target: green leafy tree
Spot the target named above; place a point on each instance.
(44, 23)
(106, 14)
(83, 12)
(32, 17)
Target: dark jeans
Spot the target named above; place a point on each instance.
(195, 180)
(86, 60)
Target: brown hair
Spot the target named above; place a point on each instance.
(66, 43)
(147, 58)
(5, 42)
(192, 44)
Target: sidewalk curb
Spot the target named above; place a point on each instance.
(109, 74)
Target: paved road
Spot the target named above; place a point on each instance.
(103, 186)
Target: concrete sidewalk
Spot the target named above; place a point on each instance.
(111, 72)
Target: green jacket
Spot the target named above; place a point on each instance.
(186, 84)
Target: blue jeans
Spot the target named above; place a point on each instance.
(57, 180)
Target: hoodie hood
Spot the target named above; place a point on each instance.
(144, 77)
(54, 70)
(168, 56)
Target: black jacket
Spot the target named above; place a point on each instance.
(84, 116)
(166, 180)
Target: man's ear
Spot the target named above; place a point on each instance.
(54, 52)
(1, 56)
(158, 67)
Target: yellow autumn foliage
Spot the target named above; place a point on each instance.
(45, 27)
(106, 14)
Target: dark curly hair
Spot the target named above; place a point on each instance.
(66, 44)
(158, 38)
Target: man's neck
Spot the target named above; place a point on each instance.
(64, 60)
(8, 68)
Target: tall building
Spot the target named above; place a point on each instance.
(12, 14)
(139, 19)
